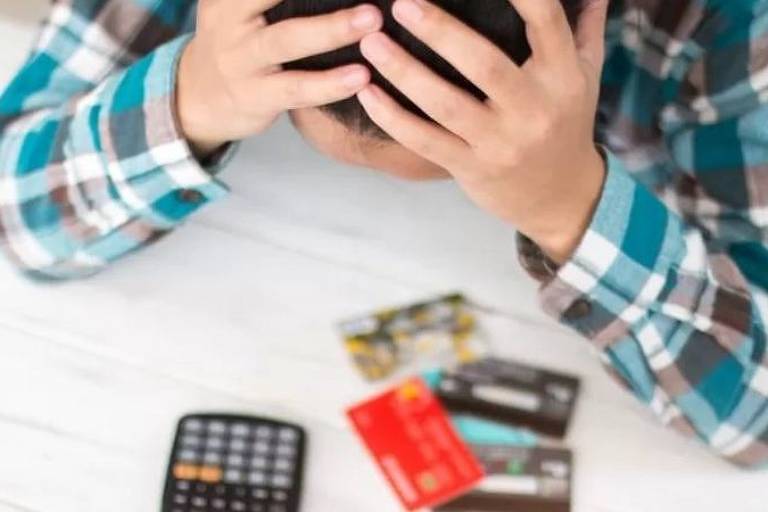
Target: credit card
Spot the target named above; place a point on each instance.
(440, 331)
(410, 436)
(519, 479)
(474, 430)
(509, 392)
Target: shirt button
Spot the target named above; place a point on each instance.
(190, 195)
(579, 309)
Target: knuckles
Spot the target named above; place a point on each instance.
(446, 111)
(577, 90)
(494, 72)
(498, 155)
(549, 13)
(543, 127)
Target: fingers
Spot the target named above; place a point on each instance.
(549, 33)
(296, 38)
(420, 136)
(300, 89)
(590, 33)
(237, 11)
(474, 56)
(450, 106)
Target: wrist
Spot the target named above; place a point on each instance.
(191, 109)
(559, 231)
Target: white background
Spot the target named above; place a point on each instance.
(235, 312)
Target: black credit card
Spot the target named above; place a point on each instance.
(519, 479)
(509, 392)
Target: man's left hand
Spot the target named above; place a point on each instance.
(527, 153)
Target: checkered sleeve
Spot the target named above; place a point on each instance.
(92, 163)
(675, 302)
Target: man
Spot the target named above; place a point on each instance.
(647, 228)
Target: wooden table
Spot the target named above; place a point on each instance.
(236, 312)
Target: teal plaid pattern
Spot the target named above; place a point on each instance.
(670, 281)
(92, 164)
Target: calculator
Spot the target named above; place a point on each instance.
(230, 463)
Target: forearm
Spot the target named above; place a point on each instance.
(92, 171)
(674, 318)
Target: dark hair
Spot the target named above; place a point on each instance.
(495, 19)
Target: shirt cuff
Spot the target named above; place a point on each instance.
(621, 265)
(150, 164)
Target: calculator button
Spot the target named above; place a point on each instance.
(257, 478)
(237, 506)
(237, 445)
(261, 447)
(217, 427)
(240, 430)
(210, 474)
(191, 441)
(233, 476)
(220, 490)
(259, 462)
(282, 481)
(185, 471)
(284, 465)
(179, 499)
(279, 495)
(258, 507)
(188, 455)
(235, 459)
(201, 488)
(212, 458)
(264, 432)
(288, 435)
(218, 504)
(214, 443)
(278, 507)
(183, 485)
(260, 493)
(192, 425)
(286, 450)
(240, 491)
(199, 501)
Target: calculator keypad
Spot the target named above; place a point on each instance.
(235, 466)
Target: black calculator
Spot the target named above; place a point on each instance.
(229, 463)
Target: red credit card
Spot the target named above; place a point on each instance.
(412, 440)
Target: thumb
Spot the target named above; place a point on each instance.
(590, 32)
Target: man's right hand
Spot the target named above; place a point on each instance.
(231, 84)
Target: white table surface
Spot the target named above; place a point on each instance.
(235, 312)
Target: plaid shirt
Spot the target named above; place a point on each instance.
(92, 163)
(668, 282)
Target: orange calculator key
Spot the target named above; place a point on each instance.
(210, 474)
(186, 471)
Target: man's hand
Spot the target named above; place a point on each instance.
(526, 154)
(231, 84)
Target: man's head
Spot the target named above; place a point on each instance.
(344, 130)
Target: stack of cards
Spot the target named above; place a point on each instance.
(404, 340)
(481, 434)
(481, 437)
(491, 400)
